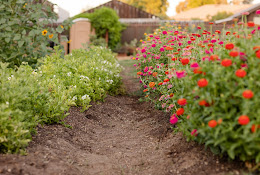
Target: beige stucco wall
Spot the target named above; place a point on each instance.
(80, 33)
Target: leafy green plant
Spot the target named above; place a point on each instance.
(26, 27)
(209, 81)
(105, 20)
(43, 95)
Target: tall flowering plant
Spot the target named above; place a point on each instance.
(209, 81)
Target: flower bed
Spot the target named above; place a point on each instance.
(44, 95)
(209, 81)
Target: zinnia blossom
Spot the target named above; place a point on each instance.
(243, 120)
(180, 74)
(173, 119)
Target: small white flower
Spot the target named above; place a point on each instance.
(9, 78)
(40, 72)
(54, 76)
(7, 103)
(69, 74)
(74, 98)
(12, 76)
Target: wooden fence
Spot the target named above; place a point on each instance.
(136, 28)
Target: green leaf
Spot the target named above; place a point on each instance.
(59, 29)
(8, 28)
(20, 43)
(17, 37)
(7, 40)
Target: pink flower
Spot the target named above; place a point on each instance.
(189, 42)
(170, 75)
(169, 86)
(180, 74)
(257, 12)
(161, 49)
(164, 32)
(179, 44)
(169, 108)
(145, 86)
(163, 105)
(194, 132)
(253, 31)
(161, 98)
(144, 56)
(245, 13)
(153, 45)
(194, 65)
(143, 50)
(146, 69)
(221, 42)
(173, 119)
(213, 40)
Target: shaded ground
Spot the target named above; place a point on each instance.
(121, 136)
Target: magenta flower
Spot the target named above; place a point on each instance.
(253, 31)
(257, 12)
(164, 32)
(189, 42)
(180, 74)
(146, 69)
(145, 86)
(161, 49)
(221, 42)
(194, 132)
(173, 119)
(194, 65)
(153, 45)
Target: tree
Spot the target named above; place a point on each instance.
(156, 7)
(189, 4)
(105, 20)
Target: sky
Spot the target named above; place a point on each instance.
(75, 7)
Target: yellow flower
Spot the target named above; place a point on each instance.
(25, 5)
(51, 36)
(141, 40)
(44, 32)
(145, 33)
(68, 41)
(61, 26)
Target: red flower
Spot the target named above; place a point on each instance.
(228, 32)
(240, 73)
(250, 24)
(258, 54)
(197, 70)
(185, 61)
(180, 111)
(182, 101)
(212, 123)
(202, 102)
(248, 94)
(160, 83)
(226, 62)
(166, 80)
(202, 82)
(211, 23)
(166, 72)
(233, 53)
(254, 127)
(229, 46)
(213, 57)
(243, 120)
(198, 27)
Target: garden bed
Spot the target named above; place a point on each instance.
(119, 136)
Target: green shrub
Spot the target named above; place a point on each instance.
(44, 95)
(26, 27)
(105, 20)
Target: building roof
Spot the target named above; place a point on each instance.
(204, 11)
(124, 10)
(239, 14)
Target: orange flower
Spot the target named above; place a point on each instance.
(240, 73)
(229, 46)
(226, 62)
(51, 36)
(155, 74)
(139, 73)
(212, 123)
(151, 84)
(213, 57)
(220, 121)
(145, 90)
(182, 101)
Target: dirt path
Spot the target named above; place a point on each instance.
(121, 136)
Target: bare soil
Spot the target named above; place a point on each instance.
(121, 136)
